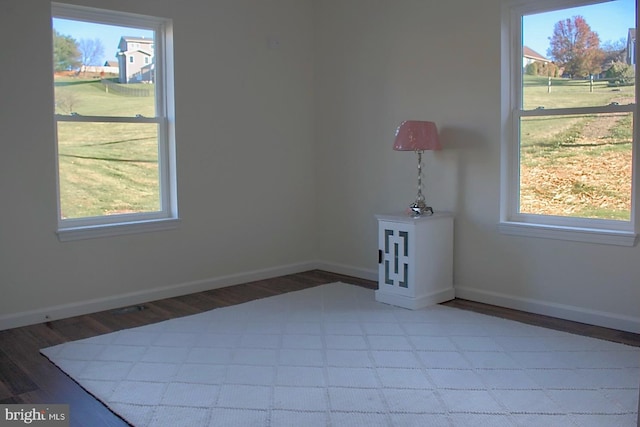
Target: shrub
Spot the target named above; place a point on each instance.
(531, 69)
(620, 74)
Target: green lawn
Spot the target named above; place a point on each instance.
(570, 166)
(572, 93)
(105, 168)
(576, 165)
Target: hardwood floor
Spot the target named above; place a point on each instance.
(28, 377)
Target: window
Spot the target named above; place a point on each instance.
(114, 125)
(569, 115)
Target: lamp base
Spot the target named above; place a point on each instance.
(419, 208)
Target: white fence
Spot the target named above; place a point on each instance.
(99, 69)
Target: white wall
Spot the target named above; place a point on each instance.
(380, 62)
(244, 149)
(319, 115)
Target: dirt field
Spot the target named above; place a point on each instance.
(590, 176)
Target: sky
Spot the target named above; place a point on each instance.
(109, 35)
(611, 20)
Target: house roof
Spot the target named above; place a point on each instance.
(530, 53)
(137, 39)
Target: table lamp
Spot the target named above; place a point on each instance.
(418, 136)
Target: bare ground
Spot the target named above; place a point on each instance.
(584, 177)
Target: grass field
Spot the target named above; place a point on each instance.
(105, 168)
(576, 165)
(570, 165)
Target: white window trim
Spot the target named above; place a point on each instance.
(623, 233)
(167, 216)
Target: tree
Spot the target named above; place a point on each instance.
(66, 100)
(614, 51)
(91, 51)
(576, 47)
(66, 55)
(621, 73)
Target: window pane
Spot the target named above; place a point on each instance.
(108, 168)
(576, 166)
(103, 70)
(579, 57)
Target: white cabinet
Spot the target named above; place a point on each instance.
(415, 257)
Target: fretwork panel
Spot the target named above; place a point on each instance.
(396, 259)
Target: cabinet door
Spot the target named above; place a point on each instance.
(395, 269)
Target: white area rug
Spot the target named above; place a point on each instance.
(333, 356)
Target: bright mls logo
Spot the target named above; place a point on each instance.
(35, 415)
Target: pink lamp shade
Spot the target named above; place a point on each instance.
(414, 135)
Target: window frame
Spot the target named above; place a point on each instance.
(167, 216)
(614, 232)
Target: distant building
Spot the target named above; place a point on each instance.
(135, 60)
(100, 69)
(631, 46)
(530, 56)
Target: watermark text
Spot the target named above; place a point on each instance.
(34, 415)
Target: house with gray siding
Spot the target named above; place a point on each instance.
(135, 59)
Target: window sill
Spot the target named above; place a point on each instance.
(117, 229)
(575, 234)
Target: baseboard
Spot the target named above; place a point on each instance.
(577, 314)
(63, 311)
(561, 311)
(347, 270)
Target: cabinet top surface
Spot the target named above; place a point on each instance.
(404, 217)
